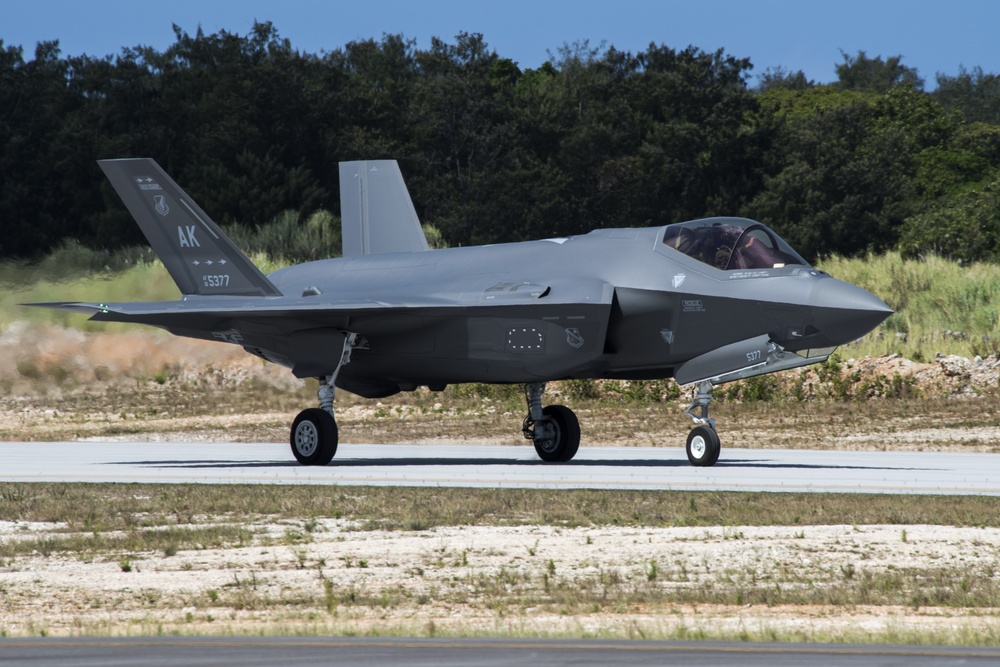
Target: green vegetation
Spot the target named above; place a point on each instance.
(941, 306)
(253, 128)
(147, 281)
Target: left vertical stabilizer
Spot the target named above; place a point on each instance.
(198, 255)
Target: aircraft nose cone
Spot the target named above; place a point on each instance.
(845, 312)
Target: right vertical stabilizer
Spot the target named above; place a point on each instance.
(377, 215)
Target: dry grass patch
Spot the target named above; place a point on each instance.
(129, 507)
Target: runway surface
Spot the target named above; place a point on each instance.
(482, 466)
(390, 652)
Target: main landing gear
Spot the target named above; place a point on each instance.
(703, 446)
(314, 432)
(554, 429)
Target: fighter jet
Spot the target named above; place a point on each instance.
(704, 302)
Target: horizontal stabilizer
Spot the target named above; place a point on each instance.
(198, 255)
(377, 214)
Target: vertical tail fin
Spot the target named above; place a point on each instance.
(376, 212)
(198, 255)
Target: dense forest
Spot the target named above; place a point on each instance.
(253, 129)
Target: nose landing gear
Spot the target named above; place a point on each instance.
(703, 445)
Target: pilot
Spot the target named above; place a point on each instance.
(720, 248)
(711, 245)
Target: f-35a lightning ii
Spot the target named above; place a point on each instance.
(703, 302)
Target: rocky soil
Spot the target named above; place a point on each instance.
(841, 583)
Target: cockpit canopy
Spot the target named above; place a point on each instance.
(731, 243)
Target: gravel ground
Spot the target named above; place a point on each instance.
(538, 580)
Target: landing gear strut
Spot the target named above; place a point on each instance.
(554, 429)
(314, 436)
(703, 446)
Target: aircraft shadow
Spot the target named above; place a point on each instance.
(462, 462)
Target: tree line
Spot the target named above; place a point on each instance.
(253, 128)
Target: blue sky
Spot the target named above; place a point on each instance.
(931, 35)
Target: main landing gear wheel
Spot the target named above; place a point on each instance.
(557, 434)
(314, 437)
(554, 430)
(703, 446)
(314, 431)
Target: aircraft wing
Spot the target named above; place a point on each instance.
(299, 332)
(206, 314)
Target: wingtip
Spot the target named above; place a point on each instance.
(71, 306)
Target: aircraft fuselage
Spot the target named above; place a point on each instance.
(609, 304)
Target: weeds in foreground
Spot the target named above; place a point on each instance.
(167, 540)
(151, 517)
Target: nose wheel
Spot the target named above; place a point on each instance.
(703, 445)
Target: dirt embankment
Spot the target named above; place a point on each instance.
(68, 384)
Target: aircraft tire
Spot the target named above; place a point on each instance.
(314, 437)
(703, 446)
(565, 442)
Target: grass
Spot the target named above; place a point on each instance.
(694, 584)
(138, 508)
(941, 306)
(167, 540)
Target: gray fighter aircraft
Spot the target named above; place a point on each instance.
(704, 302)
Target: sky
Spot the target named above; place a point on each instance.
(933, 36)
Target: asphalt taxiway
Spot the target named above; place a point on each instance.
(511, 467)
(389, 652)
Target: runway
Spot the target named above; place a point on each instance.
(389, 652)
(509, 467)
